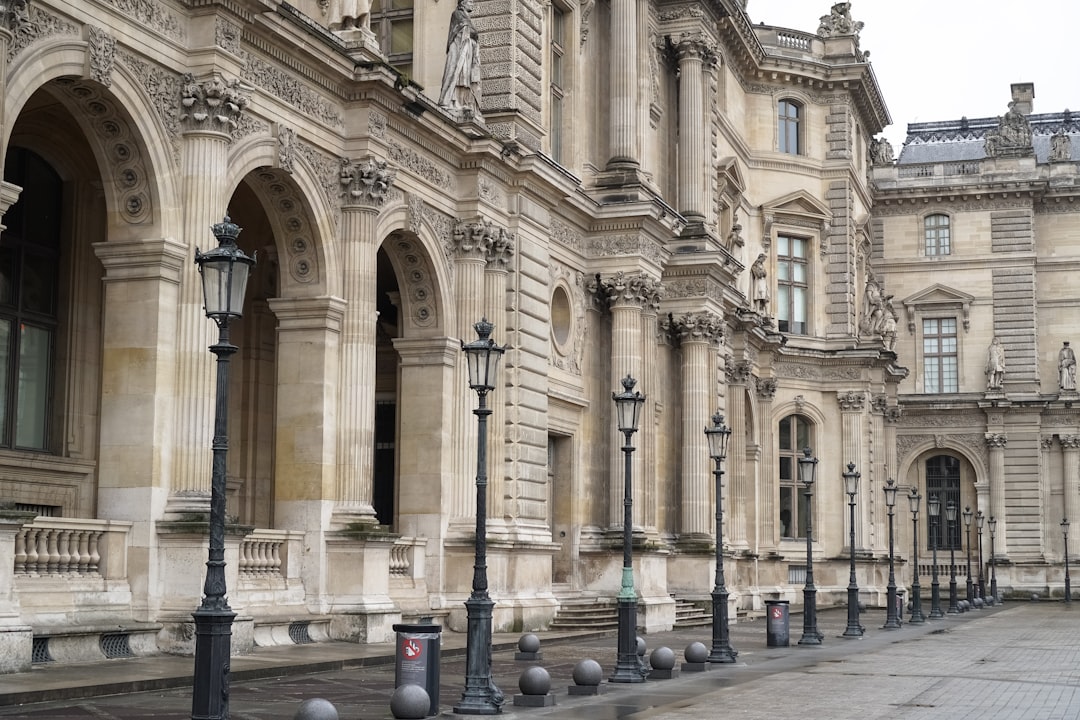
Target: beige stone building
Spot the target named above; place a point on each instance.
(976, 233)
(601, 192)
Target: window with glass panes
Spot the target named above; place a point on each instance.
(29, 257)
(939, 355)
(943, 480)
(392, 23)
(794, 435)
(936, 230)
(558, 36)
(788, 127)
(792, 284)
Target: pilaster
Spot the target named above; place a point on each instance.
(1070, 448)
(500, 252)
(853, 406)
(996, 443)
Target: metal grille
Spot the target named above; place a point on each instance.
(40, 651)
(116, 645)
(298, 633)
(796, 574)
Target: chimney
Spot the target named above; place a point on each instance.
(1023, 94)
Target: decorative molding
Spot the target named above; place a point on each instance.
(102, 54)
(972, 442)
(626, 246)
(418, 294)
(162, 86)
(939, 419)
(154, 15)
(285, 87)
(286, 210)
(286, 138)
(365, 183)
(697, 287)
(568, 356)
(634, 289)
(851, 401)
(996, 440)
(227, 35)
(706, 327)
(325, 168)
(29, 23)
(766, 389)
(1069, 442)
(409, 160)
(376, 124)
(566, 235)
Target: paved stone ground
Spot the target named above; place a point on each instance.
(1017, 661)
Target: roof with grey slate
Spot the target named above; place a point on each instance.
(964, 139)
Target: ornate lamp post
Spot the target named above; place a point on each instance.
(914, 502)
(1065, 532)
(980, 519)
(722, 652)
(628, 406)
(933, 506)
(851, 486)
(892, 617)
(967, 541)
(224, 271)
(950, 516)
(481, 696)
(992, 524)
(810, 635)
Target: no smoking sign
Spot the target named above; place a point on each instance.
(777, 613)
(410, 649)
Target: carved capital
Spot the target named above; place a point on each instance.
(634, 289)
(211, 104)
(766, 389)
(693, 45)
(1070, 442)
(738, 372)
(851, 401)
(365, 183)
(996, 440)
(482, 239)
(879, 403)
(703, 327)
(893, 414)
(501, 250)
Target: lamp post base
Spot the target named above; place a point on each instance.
(627, 665)
(213, 646)
(481, 695)
(722, 652)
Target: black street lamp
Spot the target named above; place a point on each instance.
(481, 696)
(967, 542)
(992, 523)
(851, 486)
(722, 652)
(810, 635)
(224, 271)
(914, 502)
(892, 617)
(980, 519)
(628, 406)
(950, 515)
(933, 506)
(1065, 532)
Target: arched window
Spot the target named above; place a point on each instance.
(943, 480)
(29, 258)
(794, 434)
(936, 233)
(788, 126)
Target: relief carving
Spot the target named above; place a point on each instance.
(211, 104)
(851, 400)
(102, 55)
(365, 183)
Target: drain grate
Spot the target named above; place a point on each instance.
(116, 645)
(298, 633)
(40, 651)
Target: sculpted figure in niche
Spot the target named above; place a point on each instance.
(460, 92)
(1066, 367)
(350, 14)
(881, 152)
(1060, 147)
(759, 285)
(995, 365)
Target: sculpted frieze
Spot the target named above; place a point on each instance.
(624, 245)
(694, 288)
(154, 15)
(798, 371)
(325, 168)
(944, 420)
(408, 159)
(227, 35)
(972, 442)
(287, 88)
(565, 235)
(376, 124)
(163, 88)
(29, 23)
(102, 55)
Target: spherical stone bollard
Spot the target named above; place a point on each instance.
(640, 646)
(1035, 597)
(410, 702)
(588, 673)
(528, 643)
(696, 652)
(316, 709)
(662, 658)
(979, 603)
(535, 681)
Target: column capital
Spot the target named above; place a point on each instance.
(629, 290)
(738, 372)
(212, 104)
(697, 327)
(1069, 442)
(695, 45)
(851, 400)
(996, 440)
(481, 239)
(766, 389)
(365, 183)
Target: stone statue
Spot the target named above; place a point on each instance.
(1012, 138)
(881, 152)
(1066, 368)
(1060, 147)
(838, 22)
(873, 319)
(995, 365)
(350, 15)
(888, 332)
(460, 92)
(735, 239)
(759, 289)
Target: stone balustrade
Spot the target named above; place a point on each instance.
(72, 547)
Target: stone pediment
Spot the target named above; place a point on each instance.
(732, 178)
(937, 298)
(798, 203)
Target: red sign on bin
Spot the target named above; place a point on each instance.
(410, 649)
(777, 613)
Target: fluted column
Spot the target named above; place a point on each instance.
(768, 495)
(692, 53)
(364, 187)
(852, 408)
(738, 470)
(623, 107)
(1070, 446)
(500, 254)
(996, 442)
(208, 110)
(646, 507)
(698, 334)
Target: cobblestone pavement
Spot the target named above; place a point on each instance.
(1020, 660)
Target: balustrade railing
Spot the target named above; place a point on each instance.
(261, 554)
(71, 547)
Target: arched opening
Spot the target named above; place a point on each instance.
(386, 392)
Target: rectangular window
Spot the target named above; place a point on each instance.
(788, 127)
(558, 36)
(793, 435)
(940, 356)
(936, 229)
(943, 480)
(792, 284)
(392, 23)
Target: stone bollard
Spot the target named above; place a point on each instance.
(588, 676)
(529, 648)
(316, 709)
(643, 665)
(697, 656)
(535, 686)
(662, 660)
(410, 702)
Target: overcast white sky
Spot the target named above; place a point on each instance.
(945, 59)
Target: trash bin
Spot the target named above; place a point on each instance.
(777, 623)
(416, 661)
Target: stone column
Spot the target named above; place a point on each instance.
(996, 442)
(209, 109)
(692, 52)
(645, 489)
(364, 187)
(768, 495)
(500, 253)
(738, 469)
(623, 107)
(1070, 485)
(852, 407)
(698, 334)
